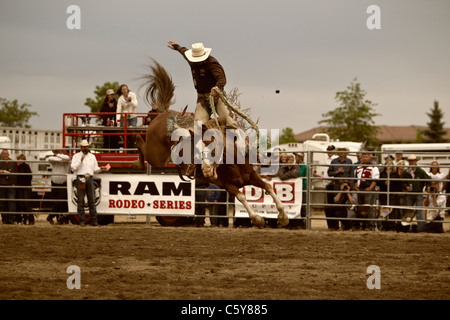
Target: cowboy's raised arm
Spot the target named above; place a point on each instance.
(175, 46)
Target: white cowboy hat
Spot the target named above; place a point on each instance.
(109, 91)
(84, 143)
(412, 157)
(198, 53)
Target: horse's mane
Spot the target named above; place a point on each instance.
(159, 87)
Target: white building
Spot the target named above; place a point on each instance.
(31, 141)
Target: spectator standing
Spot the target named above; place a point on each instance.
(152, 114)
(24, 178)
(415, 188)
(212, 196)
(60, 163)
(330, 156)
(127, 103)
(8, 179)
(84, 165)
(367, 174)
(200, 205)
(340, 169)
(329, 186)
(403, 184)
(109, 106)
(223, 209)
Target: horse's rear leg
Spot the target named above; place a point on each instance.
(257, 220)
(283, 219)
(140, 144)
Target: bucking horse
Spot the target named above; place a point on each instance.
(157, 149)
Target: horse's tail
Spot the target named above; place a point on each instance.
(159, 87)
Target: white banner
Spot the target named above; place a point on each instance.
(288, 191)
(138, 194)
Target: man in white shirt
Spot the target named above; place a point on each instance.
(84, 165)
(60, 163)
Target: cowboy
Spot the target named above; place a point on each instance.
(84, 165)
(207, 74)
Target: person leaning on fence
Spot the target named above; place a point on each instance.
(8, 179)
(84, 165)
(60, 163)
(415, 188)
(346, 197)
(24, 178)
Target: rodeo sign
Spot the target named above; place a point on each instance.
(138, 194)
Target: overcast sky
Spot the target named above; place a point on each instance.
(307, 49)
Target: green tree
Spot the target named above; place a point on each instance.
(436, 131)
(100, 93)
(353, 120)
(13, 114)
(287, 135)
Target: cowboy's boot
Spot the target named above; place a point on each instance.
(223, 111)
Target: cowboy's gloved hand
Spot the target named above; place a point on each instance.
(213, 92)
(173, 45)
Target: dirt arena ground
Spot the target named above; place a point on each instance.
(134, 260)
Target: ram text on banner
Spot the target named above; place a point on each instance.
(288, 191)
(138, 194)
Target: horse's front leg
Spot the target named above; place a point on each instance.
(257, 220)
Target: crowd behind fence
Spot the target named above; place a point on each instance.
(385, 200)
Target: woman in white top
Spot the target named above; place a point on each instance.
(436, 174)
(127, 103)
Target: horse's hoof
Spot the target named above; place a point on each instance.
(259, 222)
(283, 222)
